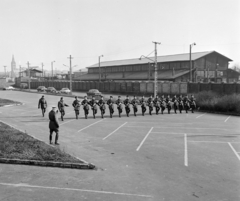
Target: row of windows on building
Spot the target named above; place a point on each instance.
(143, 67)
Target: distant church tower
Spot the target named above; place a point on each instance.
(13, 67)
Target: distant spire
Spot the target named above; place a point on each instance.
(13, 58)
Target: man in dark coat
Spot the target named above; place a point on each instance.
(61, 107)
(93, 104)
(119, 105)
(110, 103)
(101, 103)
(43, 104)
(53, 125)
(85, 106)
(127, 105)
(76, 105)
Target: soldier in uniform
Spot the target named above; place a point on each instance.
(43, 104)
(127, 105)
(102, 107)
(192, 103)
(168, 102)
(143, 105)
(157, 104)
(76, 105)
(110, 103)
(134, 103)
(175, 103)
(61, 107)
(53, 125)
(163, 103)
(119, 105)
(186, 102)
(85, 106)
(93, 104)
(180, 103)
(150, 104)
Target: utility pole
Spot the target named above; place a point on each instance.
(190, 59)
(42, 69)
(52, 68)
(156, 73)
(70, 59)
(99, 67)
(5, 70)
(20, 68)
(29, 76)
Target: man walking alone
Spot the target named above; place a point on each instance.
(53, 125)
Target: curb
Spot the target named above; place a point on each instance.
(47, 163)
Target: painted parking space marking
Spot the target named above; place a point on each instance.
(114, 131)
(67, 122)
(234, 151)
(73, 189)
(207, 141)
(90, 125)
(200, 116)
(144, 139)
(227, 119)
(185, 150)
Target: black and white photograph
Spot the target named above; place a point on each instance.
(120, 100)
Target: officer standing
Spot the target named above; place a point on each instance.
(43, 104)
(61, 107)
(143, 105)
(102, 107)
(53, 125)
(93, 104)
(127, 105)
(119, 105)
(85, 106)
(110, 103)
(76, 105)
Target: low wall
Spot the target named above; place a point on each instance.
(142, 88)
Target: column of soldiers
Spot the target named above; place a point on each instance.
(176, 103)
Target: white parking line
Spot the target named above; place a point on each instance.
(144, 139)
(114, 131)
(200, 115)
(185, 150)
(90, 125)
(74, 189)
(207, 142)
(227, 119)
(66, 122)
(234, 151)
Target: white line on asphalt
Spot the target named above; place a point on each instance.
(144, 139)
(185, 150)
(234, 151)
(226, 119)
(74, 189)
(171, 133)
(114, 131)
(67, 122)
(90, 125)
(196, 134)
(207, 141)
(200, 115)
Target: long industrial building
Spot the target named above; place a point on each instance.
(206, 66)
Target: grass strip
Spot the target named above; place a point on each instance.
(4, 102)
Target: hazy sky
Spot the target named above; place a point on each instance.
(46, 30)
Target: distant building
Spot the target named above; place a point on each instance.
(231, 75)
(175, 68)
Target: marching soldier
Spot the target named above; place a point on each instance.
(119, 105)
(110, 103)
(157, 104)
(93, 104)
(127, 105)
(186, 102)
(150, 104)
(180, 103)
(43, 104)
(175, 103)
(168, 102)
(192, 103)
(163, 103)
(76, 105)
(134, 103)
(61, 107)
(143, 105)
(102, 107)
(85, 106)
(53, 125)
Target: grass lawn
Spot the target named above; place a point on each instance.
(18, 145)
(7, 102)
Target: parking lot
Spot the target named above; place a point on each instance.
(159, 157)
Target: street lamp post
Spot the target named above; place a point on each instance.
(216, 72)
(190, 58)
(52, 68)
(70, 72)
(99, 67)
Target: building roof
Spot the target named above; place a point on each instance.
(163, 75)
(160, 59)
(32, 70)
